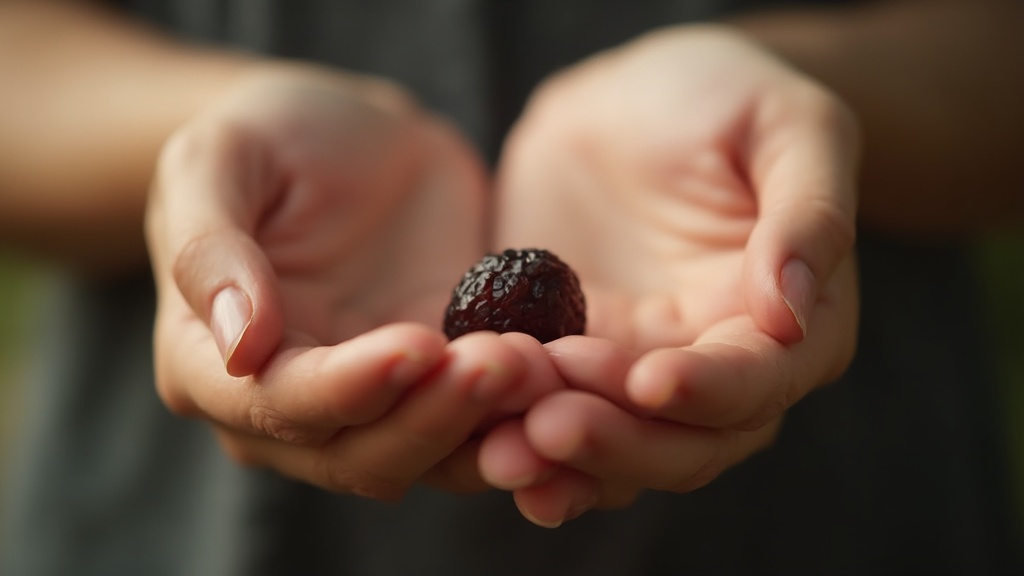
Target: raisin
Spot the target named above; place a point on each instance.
(529, 291)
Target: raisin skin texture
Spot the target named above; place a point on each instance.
(530, 291)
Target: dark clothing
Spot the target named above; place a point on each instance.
(897, 468)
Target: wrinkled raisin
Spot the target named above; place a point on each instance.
(529, 291)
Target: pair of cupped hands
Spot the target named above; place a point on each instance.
(307, 229)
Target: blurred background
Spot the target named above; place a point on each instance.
(1001, 263)
(1000, 260)
(20, 284)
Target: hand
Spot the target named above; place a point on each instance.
(710, 191)
(305, 233)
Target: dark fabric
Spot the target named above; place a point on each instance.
(474, 61)
(896, 469)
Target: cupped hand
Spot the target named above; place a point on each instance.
(704, 191)
(305, 233)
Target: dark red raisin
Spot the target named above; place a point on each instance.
(529, 291)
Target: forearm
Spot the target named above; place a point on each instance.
(88, 101)
(939, 88)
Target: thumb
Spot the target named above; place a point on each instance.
(803, 171)
(226, 279)
(209, 194)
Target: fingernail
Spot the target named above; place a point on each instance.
(230, 315)
(799, 290)
(539, 522)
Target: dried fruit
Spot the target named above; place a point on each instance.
(529, 291)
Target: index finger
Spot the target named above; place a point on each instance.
(305, 394)
(738, 376)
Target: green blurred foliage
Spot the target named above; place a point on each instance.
(1001, 263)
(17, 280)
(20, 282)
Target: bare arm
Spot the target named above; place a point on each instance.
(87, 101)
(934, 82)
(939, 88)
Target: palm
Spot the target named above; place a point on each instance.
(306, 232)
(375, 215)
(654, 215)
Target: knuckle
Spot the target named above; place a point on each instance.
(183, 267)
(273, 423)
(833, 227)
(339, 476)
(840, 230)
(704, 475)
(769, 412)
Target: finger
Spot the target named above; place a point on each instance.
(540, 375)
(594, 364)
(591, 434)
(567, 495)
(306, 393)
(802, 158)
(737, 376)
(383, 458)
(719, 384)
(212, 185)
(507, 461)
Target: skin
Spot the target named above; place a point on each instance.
(326, 367)
(711, 210)
(289, 224)
(71, 60)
